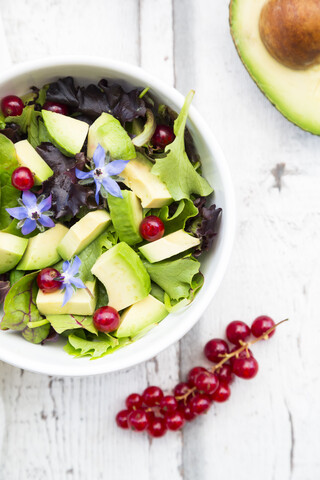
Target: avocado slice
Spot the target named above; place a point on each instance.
(124, 276)
(66, 133)
(294, 92)
(82, 302)
(126, 214)
(42, 249)
(82, 233)
(109, 133)
(11, 250)
(147, 312)
(28, 157)
(168, 246)
(152, 192)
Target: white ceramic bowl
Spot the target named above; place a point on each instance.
(51, 359)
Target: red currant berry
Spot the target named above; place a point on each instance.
(122, 419)
(22, 178)
(162, 136)
(181, 390)
(199, 404)
(56, 108)
(134, 401)
(138, 420)
(246, 368)
(157, 428)
(46, 280)
(206, 382)
(11, 106)
(186, 411)
(225, 374)
(194, 372)
(106, 319)
(216, 349)
(221, 394)
(151, 228)
(152, 396)
(237, 331)
(261, 325)
(243, 354)
(174, 420)
(168, 404)
(150, 415)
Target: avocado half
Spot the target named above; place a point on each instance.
(295, 93)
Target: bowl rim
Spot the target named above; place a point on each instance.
(229, 219)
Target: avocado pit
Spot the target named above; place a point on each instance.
(290, 31)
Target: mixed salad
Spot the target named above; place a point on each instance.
(103, 214)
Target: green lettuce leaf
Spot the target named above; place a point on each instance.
(102, 296)
(37, 132)
(8, 194)
(94, 348)
(61, 323)
(20, 309)
(2, 121)
(176, 277)
(176, 170)
(184, 211)
(24, 119)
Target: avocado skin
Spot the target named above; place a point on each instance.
(288, 116)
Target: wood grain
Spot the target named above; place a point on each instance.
(64, 429)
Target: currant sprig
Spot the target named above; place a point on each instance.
(156, 413)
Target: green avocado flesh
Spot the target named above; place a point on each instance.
(140, 315)
(11, 250)
(295, 93)
(28, 157)
(152, 192)
(124, 276)
(82, 233)
(42, 249)
(81, 303)
(168, 246)
(126, 214)
(66, 133)
(109, 133)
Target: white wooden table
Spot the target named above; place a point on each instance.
(63, 429)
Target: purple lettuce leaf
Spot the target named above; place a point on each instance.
(4, 287)
(93, 100)
(12, 131)
(204, 225)
(63, 91)
(67, 195)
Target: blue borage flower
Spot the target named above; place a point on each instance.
(33, 213)
(105, 174)
(69, 278)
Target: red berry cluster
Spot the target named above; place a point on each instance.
(156, 413)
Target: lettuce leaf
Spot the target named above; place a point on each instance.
(176, 220)
(8, 194)
(67, 195)
(205, 224)
(176, 277)
(4, 287)
(22, 120)
(176, 170)
(61, 323)
(20, 308)
(92, 347)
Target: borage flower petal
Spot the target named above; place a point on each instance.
(116, 167)
(112, 187)
(28, 226)
(99, 156)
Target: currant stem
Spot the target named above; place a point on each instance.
(246, 345)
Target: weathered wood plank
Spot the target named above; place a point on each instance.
(267, 430)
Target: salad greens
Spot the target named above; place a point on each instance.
(188, 181)
(73, 200)
(20, 310)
